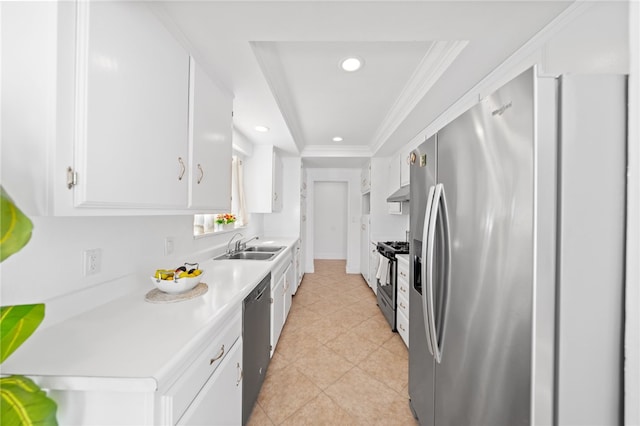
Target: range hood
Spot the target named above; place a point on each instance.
(400, 195)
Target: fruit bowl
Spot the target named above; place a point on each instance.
(169, 282)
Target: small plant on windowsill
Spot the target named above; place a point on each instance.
(225, 221)
(22, 402)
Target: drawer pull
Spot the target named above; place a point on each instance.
(401, 327)
(402, 305)
(201, 174)
(241, 374)
(182, 168)
(402, 289)
(217, 357)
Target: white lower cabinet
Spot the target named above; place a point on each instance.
(215, 375)
(374, 262)
(277, 311)
(220, 400)
(402, 308)
(289, 285)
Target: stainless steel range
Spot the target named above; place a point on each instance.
(387, 278)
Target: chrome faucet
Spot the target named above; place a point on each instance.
(243, 244)
(237, 246)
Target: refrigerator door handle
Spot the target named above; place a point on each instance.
(445, 284)
(426, 303)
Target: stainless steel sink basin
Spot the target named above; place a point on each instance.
(267, 249)
(247, 255)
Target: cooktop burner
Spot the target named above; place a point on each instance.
(392, 248)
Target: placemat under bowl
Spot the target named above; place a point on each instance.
(158, 296)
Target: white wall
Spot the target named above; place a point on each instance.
(352, 177)
(50, 266)
(330, 215)
(384, 226)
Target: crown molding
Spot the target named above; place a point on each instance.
(330, 151)
(434, 63)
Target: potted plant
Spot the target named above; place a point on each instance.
(225, 221)
(22, 402)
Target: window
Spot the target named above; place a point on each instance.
(237, 217)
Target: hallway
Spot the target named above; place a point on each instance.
(337, 361)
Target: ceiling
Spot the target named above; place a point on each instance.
(281, 62)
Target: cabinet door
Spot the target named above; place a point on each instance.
(364, 247)
(132, 109)
(374, 262)
(277, 183)
(277, 312)
(209, 143)
(220, 400)
(288, 291)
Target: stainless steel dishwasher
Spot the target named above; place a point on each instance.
(256, 333)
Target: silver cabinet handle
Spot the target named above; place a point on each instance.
(402, 305)
(401, 327)
(240, 374)
(217, 357)
(182, 168)
(402, 289)
(201, 173)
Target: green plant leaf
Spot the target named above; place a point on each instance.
(15, 227)
(23, 403)
(17, 323)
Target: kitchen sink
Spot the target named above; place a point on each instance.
(247, 255)
(267, 249)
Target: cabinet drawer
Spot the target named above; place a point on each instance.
(403, 270)
(184, 390)
(403, 305)
(402, 324)
(403, 289)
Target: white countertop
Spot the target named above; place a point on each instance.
(129, 338)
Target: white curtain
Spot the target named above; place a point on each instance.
(238, 203)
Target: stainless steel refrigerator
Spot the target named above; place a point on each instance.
(517, 254)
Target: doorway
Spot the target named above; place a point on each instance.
(330, 220)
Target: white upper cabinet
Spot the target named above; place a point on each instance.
(209, 144)
(365, 179)
(263, 180)
(132, 87)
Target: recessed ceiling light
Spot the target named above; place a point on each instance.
(262, 129)
(337, 139)
(351, 64)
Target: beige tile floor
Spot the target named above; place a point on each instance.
(337, 361)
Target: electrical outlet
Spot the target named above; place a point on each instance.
(168, 246)
(92, 261)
